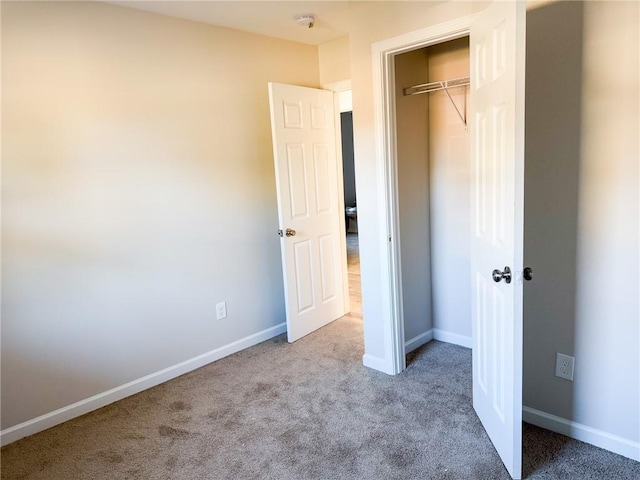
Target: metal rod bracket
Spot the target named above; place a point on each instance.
(441, 85)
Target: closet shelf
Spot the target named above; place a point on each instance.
(442, 85)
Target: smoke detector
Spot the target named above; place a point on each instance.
(306, 20)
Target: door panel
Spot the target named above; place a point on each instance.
(297, 184)
(327, 262)
(323, 184)
(309, 192)
(292, 114)
(304, 275)
(497, 126)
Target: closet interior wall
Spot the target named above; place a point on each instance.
(449, 187)
(433, 197)
(412, 123)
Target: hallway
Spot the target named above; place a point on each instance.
(353, 268)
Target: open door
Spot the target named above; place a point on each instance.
(497, 42)
(310, 206)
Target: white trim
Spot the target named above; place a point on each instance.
(434, 34)
(346, 303)
(584, 433)
(100, 400)
(383, 54)
(377, 363)
(418, 341)
(342, 89)
(439, 335)
(450, 337)
(341, 86)
(386, 277)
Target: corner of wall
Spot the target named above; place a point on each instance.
(334, 61)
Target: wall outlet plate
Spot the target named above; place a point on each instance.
(564, 366)
(221, 310)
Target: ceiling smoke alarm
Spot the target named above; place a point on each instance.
(306, 20)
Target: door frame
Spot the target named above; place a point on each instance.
(385, 124)
(337, 88)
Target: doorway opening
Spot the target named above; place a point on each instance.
(351, 210)
(344, 107)
(433, 193)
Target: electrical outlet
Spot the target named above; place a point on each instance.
(564, 366)
(221, 310)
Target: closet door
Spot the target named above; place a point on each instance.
(497, 39)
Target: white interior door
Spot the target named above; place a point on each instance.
(310, 206)
(497, 101)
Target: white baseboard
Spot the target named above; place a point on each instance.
(377, 363)
(454, 338)
(418, 341)
(100, 400)
(584, 433)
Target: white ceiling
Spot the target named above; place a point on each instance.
(264, 17)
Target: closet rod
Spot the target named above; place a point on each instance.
(436, 86)
(442, 85)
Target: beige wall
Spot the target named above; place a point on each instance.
(581, 213)
(335, 65)
(607, 393)
(138, 191)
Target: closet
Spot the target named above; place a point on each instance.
(433, 162)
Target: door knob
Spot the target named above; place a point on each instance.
(289, 232)
(527, 273)
(498, 275)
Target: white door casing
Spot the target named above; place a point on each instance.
(497, 39)
(391, 315)
(308, 172)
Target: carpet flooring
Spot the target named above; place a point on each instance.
(308, 410)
